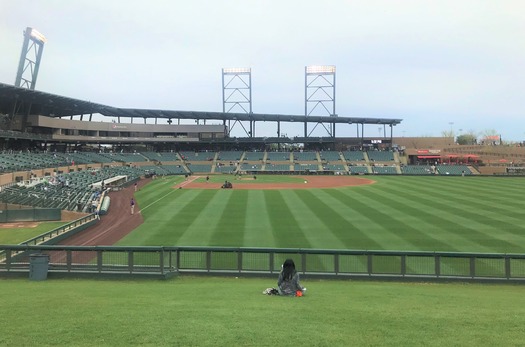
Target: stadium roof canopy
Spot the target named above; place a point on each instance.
(20, 101)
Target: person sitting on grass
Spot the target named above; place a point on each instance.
(288, 282)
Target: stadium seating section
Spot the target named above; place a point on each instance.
(74, 190)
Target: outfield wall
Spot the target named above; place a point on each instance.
(30, 215)
(310, 263)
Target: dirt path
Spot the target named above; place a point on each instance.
(113, 226)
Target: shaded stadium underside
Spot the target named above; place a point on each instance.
(19, 102)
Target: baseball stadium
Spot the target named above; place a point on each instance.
(400, 240)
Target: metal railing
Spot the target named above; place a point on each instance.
(62, 230)
(267, 261)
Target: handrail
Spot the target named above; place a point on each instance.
(158, 260)
(58, 231)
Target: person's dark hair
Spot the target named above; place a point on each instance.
(288, 269)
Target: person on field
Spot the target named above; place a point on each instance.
(288, 282)
(132, 204)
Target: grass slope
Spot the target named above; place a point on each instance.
(190, 311)
(13, 236)
(470, 214)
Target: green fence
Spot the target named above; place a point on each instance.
(267, 261)
(30, 215)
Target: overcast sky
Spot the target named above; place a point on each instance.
(438, 65)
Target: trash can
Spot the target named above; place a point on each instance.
(38, 267)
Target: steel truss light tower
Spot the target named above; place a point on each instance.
(319, 95)
(29, 64)
(237, 95)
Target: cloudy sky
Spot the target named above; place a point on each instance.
(438, 65)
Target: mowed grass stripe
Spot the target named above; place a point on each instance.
(408, 234)
(159, 227)
(429, 226)
(407, 221)
(483, 220)
(487, 210)
(494, 192)
(198, 219)
(285, 227)
(499, 204)
(257, 225)
(155, 190)
(454, 218)
(326, 228)
(318, 233)
(229, 230)
(491, 187)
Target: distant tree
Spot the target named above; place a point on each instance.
(447, 133)
(467, 139)
(490, 137)
(489, 133)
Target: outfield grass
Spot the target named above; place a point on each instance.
(465, 214)
(13, 236)
(190, 311)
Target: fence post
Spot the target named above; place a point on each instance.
(239, 260)
(99, 260)
(472, 267)
(170, 260)
(8, 259)
(130, 261)
(161, 262)
(208, 261)
(69, 260)
(507, 267)
(437, 265)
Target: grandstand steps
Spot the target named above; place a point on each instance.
(369, 168)
(367, 159)
(318, 156)
(265, 157)
(473, 170)
(398, 169)
(396, 157)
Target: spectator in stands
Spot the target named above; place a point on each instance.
(288, 282)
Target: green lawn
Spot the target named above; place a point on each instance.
(13, 236)
(189, 311)
(466, 214)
